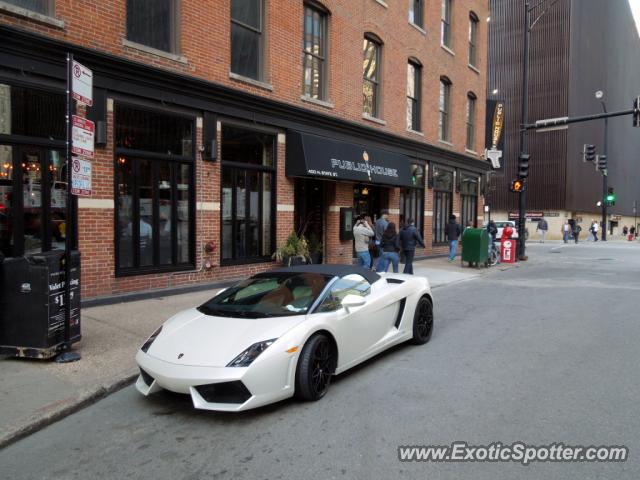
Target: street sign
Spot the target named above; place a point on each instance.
(82, 133)
(82, 83)
(81, 177)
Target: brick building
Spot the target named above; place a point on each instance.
(222, 126)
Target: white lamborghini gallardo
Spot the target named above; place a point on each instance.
(283, 332)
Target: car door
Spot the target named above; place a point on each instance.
(357, 329)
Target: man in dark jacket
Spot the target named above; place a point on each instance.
(453, 233)
(409, 237)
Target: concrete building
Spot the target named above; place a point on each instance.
(577, 48)
(222, 126)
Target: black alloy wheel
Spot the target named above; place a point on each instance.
(423, 321)
(316, 365)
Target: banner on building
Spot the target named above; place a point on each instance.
(494, 133)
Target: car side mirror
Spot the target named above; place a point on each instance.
(351, 301)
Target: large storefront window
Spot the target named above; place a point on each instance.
(32, 174)
(442, 202)
(412, 199)
(155, 191)
(248, 195)
(469, 200)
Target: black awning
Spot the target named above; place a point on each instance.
(319, 157)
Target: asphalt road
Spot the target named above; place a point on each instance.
(543, 353)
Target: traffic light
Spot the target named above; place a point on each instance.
(517, 185)
(602, 162)
(636, 112)
(611, 197)
(523, 165)
(588, 152)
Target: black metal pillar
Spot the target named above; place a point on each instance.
(604, 178)
(522, 200)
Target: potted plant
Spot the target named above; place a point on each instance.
(315, 248)
(295, 251)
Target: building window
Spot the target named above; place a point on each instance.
(414, 94)
(471, 114)
(412, 199)
(469, 200)
(473, 39)
(372, 47)
(33, 186)
(445, 21)
(444, 106)
(154, 191)
(415, 12)
(315, 33)
(248, 195)
(45, 7)
(442, 202)
(153, 23)
(247, 38)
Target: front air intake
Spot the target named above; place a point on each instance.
(225, 392)
(148, 379)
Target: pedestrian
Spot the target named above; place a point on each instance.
(576, 231)
(453, 233)
(632, 232)
(379, 228)
(596, 227)
(625, 231)
(565, 231)
(542, 228)
(409, 238)
(362, 233)
(390, 246)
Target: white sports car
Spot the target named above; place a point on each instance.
(283, 332)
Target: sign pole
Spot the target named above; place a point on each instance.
(66, 354)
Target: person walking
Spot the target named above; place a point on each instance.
(453, 233)
(409, 238)
(542, 228)
(390, 245)
(362, 233)
(379, 228)
(625, 231)
(596, 227)
(565, 231)
(576, 231)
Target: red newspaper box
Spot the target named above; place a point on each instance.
(508, 250)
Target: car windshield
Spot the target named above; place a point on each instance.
(268, 295)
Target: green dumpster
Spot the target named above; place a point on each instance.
(475, 247)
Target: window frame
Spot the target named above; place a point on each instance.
(261, 41)
(375, 80)
(174, 27)
(323, 13)
(445, 23)
(439, 196)
(272, 170)
(416, 7)
(50, 7)
(474, 24)
(470, 121)
(417, 190)
(468, 199)
(155, 158)
(416, 101)
(444, 110)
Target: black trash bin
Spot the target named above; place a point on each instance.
(32, 312)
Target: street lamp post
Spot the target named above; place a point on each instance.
(600, 96)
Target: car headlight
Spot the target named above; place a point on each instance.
(250, 354)
(150, 340)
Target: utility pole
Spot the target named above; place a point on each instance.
(599, 95)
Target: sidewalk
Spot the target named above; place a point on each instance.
(35, 393)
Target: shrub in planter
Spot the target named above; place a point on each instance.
(295, 251)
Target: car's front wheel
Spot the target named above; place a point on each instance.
(423, 321)
(316, 364)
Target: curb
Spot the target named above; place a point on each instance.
(83, 400)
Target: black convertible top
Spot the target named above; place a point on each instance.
(333, 270)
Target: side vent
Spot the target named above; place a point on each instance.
(394, 280)
(400, 312)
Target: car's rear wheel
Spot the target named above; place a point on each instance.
(316, 365)
(423, 321)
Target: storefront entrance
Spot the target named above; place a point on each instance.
(32, 199)
(369, 200)
(309, 221)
